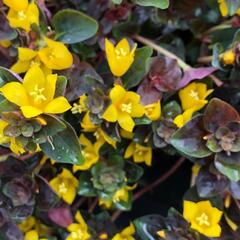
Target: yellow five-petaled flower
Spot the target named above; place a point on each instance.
(53, 56)
(193, 98)
(139, 153)
(121, 57)
(65, 185)
(203, 217)
(125, 106)
(36, 94)
(79, 230)
(22, 14)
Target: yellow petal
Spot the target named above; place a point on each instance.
(33, 13)
(50, 86)
(20, 66)
(30, 111)
(15, 93)
(125, 121)
(117, 94)
(31, 235)
(223, 7)
(70, 195)
(34, 77)
(123, 45)
(16, 148)
(17, 5)
(15, 22)
(80, 220)
(137, 111)
(189, 210)
(130, 230)
(130, 150)
(26, 54)
(57, 105)
(111, 114)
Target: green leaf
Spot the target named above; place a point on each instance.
(189, 139)
(171, 110)
(60, 86)
(85, 187)
(139, 67)
(72, 26)
(125, 206)
(64, 147)
(163, 4)
(117, 1)
(133, 172)
(148, 226)
(6, 106)
(230, 171)
(8, 76)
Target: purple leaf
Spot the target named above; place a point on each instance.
(195, 74)
(61, 216)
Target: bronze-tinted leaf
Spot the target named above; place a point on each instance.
(218, 113)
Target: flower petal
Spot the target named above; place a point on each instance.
(130, 150)
(110, 114)
(16, 4)
(34, 77)
(117, 93)
(20, 66)
(123, 45)
(26, 54)
(57, 105)
(50, 86)
(33, 13)
(125, 121)
(15, 93)
(30, 111)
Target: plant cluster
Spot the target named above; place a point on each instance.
(93, 93)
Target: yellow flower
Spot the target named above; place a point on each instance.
(125, 106)
(123, 193)
(126, 134)
(203, 217)
(22, 14)
(140, 153)
(36, 94)
(81, 107)
(28, 58)
(27, 224)
(33, 235)
(228, 57)
(65, 185)
(181, 119)
(14, 146)
(153, 111)
(224, 8)
(90, 152)
(126, 234)
(194, 96)
(121, 57)
(55, 55)
(79, 230)
(101, 136)
(161, 234)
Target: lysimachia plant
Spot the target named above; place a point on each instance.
(98, 98)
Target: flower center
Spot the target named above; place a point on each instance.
(62, 188)
(120, 53)
(97, 135)
(38, 94)
(77, 108)
(194, 94)
(52, 55)
(139, 152)
(203, 220)
(126, 107)
(21, 15)
(86, 154)
(34, 63)
(77, 234)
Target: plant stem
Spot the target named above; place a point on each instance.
(93, 205)
(150, 187)
(161, 50)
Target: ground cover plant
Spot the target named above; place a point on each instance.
(119, 119)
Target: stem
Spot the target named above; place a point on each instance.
(224, 25)
(161, 50)
(150, 187)
(205, 59)
(93, 205)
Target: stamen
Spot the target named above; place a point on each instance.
(38, 94)
(126, 107)
(203, 220)
(194, 94)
